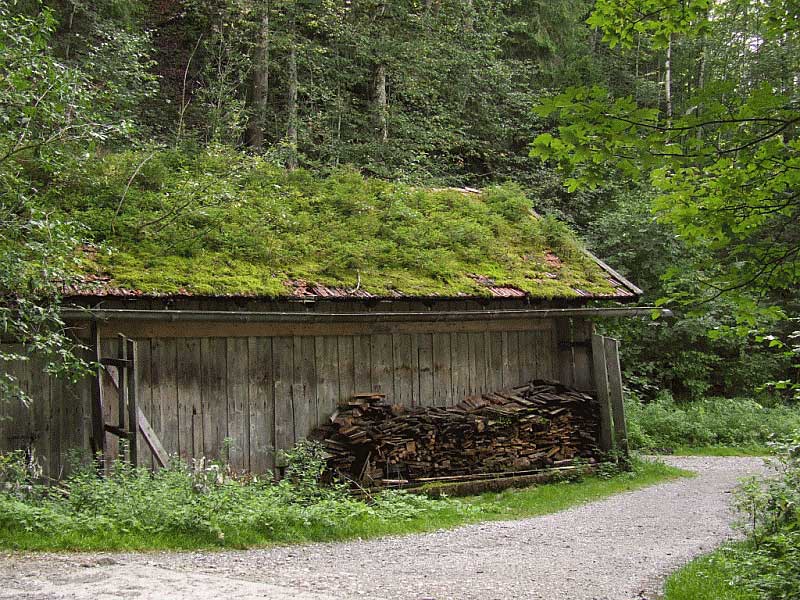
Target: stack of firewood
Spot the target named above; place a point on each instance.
(538, 425)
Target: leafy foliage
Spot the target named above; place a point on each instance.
(741, 422)
(725, 168)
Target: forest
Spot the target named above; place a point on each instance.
(663, 132)
(668, 142)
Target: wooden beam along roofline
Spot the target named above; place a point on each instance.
(360, 317)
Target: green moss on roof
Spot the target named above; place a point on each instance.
(223, 223)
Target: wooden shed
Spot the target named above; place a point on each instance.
(196, 375)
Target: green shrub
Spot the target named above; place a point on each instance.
(204, 504)
(770, 566)
(665, 423)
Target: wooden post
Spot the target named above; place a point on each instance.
(98, 422)
(122, 386)
(601, 384)
(615, 394)
(150, 437)
(133, 421)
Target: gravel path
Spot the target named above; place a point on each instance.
(620, 548)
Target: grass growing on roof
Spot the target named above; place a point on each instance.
(222, 222)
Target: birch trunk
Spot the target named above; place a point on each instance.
(254, 133)
(381, 103)
(668, 80)
(291, 106)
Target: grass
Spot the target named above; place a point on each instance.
(750, 450)
(709, 578)
(394, 514)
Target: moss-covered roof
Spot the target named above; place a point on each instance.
(221, 223)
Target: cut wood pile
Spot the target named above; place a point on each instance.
(535, 426)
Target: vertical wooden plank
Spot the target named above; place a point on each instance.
(85, 388)
(425, 369)
(606, 440)
(442, 369)
(551, 362)
(415, 399)
(18, 420)
(133, 422)
(347, 386)
(36, 422)
(403, 370)
(509, 376)
(495, 364)
(614, 374)
(566, 367)
(459, 354)
(382, 365)
(362, 356)
(304, 390)
(283, 370)
(164, 418)
(144, 392)
(514, 367)
(529, 342)
(72, 414)
(477, 363)
(327, 365)
(214, 403)
(582, 338)
(190, 410)
(237, 400)
(98, 408)
(262, 404)
(109, 377)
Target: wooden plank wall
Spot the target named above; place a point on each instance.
(54, 424)
(264, 393)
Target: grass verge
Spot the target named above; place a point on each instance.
(314, 520)
(709, 577)
(753, 450)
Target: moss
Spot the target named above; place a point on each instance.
(220, 222)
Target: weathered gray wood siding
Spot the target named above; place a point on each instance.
(55, 423)
(199, 387)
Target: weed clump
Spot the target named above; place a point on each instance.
(204, 504)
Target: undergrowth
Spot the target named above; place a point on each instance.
(222, 222)
(208, 506)
(732, 426)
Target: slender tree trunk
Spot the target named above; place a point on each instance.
(381, 103)
(469, 16)
(701, 82)
(668, 80)
(259, 85)
(291, 105)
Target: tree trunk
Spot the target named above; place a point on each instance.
(701, 82)
(469, 16)
(291, 122)
(668, 80)
(381, 103)
(259, 85)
